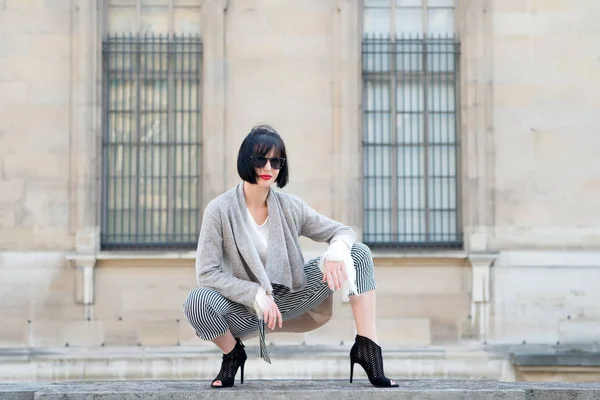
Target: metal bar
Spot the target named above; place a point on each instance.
(443, 138)
(172, 114)
(393, 138)
(426, 128)
(189, 121)
(119, 61)
(132, 127)
(365, 120)
(138, 128)
(179, 150)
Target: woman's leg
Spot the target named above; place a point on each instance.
(363, 309)
(363, 306)
(218, 319)
(365, 349)
(225, 342)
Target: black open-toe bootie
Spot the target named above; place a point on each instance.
(367, 354)
(230, 364)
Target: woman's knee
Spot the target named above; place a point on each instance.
(361, 255)
(199, 299)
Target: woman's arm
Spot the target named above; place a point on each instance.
(320, 228)
(340, 237)
(209, 258)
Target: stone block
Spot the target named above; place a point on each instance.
(420, 280)
(334, 332)
(22, 4)
(187, 336)
(514, 94)
(51, 90)
(404, 331)
(443, 307)
(51, 333)
(578, 331)
(13, 93)
(506, 330)
(15, 166)
(445, 332)
(57, 306)
(16, 238)
(50, 48)
(50, 117)
(25, 262)
(287, 339)
(108, 302)
(29, 21)
(18, 391)
(14, 332)
(44, 204)
(120, 332)
(8, 215)
(158, 333)
(558, 394)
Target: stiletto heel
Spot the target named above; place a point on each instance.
(367, 354)
(242, 368)
(230, 364)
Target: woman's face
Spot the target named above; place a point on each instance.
(267, 174)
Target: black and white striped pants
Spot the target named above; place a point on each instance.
(212, 315)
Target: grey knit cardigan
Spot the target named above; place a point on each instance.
(227, 260)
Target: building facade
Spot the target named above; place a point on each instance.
(457, 137)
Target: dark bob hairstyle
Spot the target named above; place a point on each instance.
(259, 142)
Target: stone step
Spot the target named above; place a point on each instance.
(303, 390)
(288, 362)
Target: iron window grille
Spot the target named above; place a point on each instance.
(151, 142)
(410, 141)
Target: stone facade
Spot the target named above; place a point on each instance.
(530, 184)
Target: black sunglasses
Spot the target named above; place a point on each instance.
(260, 162)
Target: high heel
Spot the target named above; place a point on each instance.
(233, 360)
(367, 354)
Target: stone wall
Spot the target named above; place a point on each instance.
(35, 93)
(545, 119)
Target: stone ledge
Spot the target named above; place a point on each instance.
(201, 362)
(304, 390)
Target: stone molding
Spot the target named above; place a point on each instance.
(481, 264)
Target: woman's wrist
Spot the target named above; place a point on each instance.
(337, 251)
(261, 301)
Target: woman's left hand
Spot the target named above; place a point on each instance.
(334, 274)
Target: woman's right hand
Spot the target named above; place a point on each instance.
(271, 313)
(266, 308)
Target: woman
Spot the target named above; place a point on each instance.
(251, 272)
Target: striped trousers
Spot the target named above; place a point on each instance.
(212, 315)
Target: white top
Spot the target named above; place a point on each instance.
(260, 236)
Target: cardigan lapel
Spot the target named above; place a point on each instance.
(285, 264)
(278, 262)
(243, 241)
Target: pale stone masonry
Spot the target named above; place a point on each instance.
(530, 179)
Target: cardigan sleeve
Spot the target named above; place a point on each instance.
(320, 228)
(209, 257)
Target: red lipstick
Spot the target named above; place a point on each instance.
(265, 177)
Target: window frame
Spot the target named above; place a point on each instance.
(176, 79)
(391, 81)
